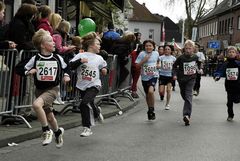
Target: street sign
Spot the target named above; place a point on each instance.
(214, 44)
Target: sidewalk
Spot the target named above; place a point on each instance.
(20, 133)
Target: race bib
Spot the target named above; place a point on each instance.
(232, 73)
(46, 70)
(189, 68)
(150, 69)
(88, 73)
(166, 65)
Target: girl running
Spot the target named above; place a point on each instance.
(165, 73)
(89, 82)
(148, 61)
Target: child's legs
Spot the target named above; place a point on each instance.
(230, 104)
(52, 120)
(187, 108)
(87, 98)
(43, 104)
(150, 96)
(162, 90)
(38, 108)
(169, 90)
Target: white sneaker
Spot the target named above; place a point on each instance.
(60, 100)
(47, 137)
(167, 107)
(56, 102)
(100, 117)
(59, 139)
(86, 132)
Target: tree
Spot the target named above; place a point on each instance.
(195, 10)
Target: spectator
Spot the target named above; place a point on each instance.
(135, 71)
(21, 29)
(109, 38)
(54, 20)
(123, 47)
(60, 38)
(111, 34)
(4, 44)
(138, 39)
(44, 13)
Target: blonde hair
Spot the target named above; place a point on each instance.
(64, 27)
(77, 41)
(54, 20)
(89, 39)
(39, 37)
(190, 43)
(2, 6)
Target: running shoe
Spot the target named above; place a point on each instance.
(161, 98)
(167, 107)
(151, 115)
(186, 119)
(100, 116)
(47, 137)
(195, 93)
(229, 118)
(86, 132)
(59, 139)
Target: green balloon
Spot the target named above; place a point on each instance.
(85, 26)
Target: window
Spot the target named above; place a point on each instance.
(220, 27)
(136, 30)
(238, 27)
(151, 34)
(226, 27)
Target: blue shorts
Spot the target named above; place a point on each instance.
(146, 84)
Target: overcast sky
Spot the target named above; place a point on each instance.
(175, 13)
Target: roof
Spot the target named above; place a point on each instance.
(221, 8)
(142, 14)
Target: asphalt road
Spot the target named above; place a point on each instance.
(130, 137)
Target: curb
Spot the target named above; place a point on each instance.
(35, 133)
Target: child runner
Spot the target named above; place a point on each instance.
(161, 52)
(165, 73)
(46, 68)
(89, 82)
(148, 61)
(184, 70)
(230, 69)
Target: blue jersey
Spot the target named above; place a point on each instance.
(149, 68)
(166, 64)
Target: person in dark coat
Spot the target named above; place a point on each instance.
(21, 30)
(123, 47)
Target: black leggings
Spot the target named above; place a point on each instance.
(232, 98)
(88, 100)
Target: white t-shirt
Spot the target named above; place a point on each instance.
(201, 56)
(88, 73)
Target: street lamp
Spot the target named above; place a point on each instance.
(230, 30)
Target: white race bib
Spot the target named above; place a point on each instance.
(189, 68)
(46, 70)
(232, 73)
(150, 69)
(166, 65)
(88, 73)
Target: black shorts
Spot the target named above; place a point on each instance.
(163, 80)
(146, 84)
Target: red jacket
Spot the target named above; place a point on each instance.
(44, 24)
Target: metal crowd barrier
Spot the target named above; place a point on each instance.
(9, 85)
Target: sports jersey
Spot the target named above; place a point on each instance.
(166, 63)
(88, 73)
(149, 68)
(48, 70)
